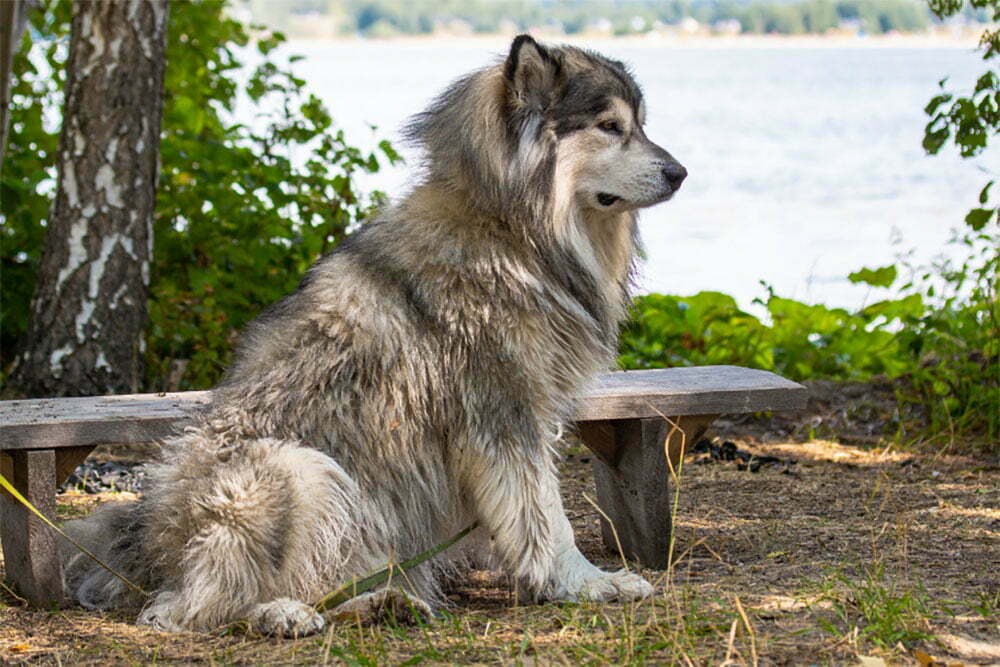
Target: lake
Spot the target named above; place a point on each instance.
(805, 162)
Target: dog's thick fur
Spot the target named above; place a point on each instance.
(418, 378)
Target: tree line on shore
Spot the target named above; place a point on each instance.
(385, 18)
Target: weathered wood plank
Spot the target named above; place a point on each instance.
(30, 551)
(699, 390)
(64, 422)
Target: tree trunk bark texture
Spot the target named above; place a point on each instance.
(85, 335)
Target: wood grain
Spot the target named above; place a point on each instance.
(699, 390)
(30, 551)
(70, 422)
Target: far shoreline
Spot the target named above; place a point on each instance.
(745, 41)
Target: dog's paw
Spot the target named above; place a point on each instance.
(621, 586)
(285, 617)
(158, 614)
(386, 604)
(577, 580)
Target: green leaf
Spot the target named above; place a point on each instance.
(881, 277)
(935, 102)
(978, 217)
(389, 151)
(360, 585)
(911, 306)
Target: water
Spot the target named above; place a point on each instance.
(805, 163)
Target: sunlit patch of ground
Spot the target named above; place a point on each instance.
(846, 553)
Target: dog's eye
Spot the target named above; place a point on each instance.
(610, 126)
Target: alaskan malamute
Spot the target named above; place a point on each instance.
(418, 378)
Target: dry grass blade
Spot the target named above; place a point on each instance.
(750, 631)
(614, 531)
(11, 593)
(731, 647)
(674, 428)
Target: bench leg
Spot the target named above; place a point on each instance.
(68, 458)
(633, 480)
(30, 550)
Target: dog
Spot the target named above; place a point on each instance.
(417, 379)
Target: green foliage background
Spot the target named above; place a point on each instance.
(243, 211)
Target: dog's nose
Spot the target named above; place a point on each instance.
(675, 175)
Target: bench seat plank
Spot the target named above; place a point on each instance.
(702, 390)
(63, 422)
(696, 390)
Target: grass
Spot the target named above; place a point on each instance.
(988, 604)
(876, 610)
(669, 629)
(847, 553)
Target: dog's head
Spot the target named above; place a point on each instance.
(590, 108)
(548, 129)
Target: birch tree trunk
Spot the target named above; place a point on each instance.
(88, 313)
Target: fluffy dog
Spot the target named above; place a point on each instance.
(418, 378)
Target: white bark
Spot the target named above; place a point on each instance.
(89, 311)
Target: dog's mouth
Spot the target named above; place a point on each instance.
(606, 199)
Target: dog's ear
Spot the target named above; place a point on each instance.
(531, 72)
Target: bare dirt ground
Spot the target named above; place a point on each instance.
(837, 554)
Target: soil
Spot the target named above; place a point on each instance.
(835, 552)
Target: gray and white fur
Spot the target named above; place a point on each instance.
(418, 378)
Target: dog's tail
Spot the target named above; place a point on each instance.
(111, 534)
(219, 531)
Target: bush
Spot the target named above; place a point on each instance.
(238, 220)
(801, 342)
(944, 357)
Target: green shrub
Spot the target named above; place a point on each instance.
(944, 356)
(801, 342)
(238, 220)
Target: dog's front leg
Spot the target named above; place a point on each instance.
(515, 496)
(575, 578)
(507, 490)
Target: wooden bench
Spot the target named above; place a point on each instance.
(621, 418)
